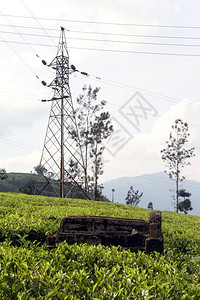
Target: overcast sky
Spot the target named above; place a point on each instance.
(145, 89)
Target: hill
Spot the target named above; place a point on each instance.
(156, 188)
(30, 271)
(15, 181)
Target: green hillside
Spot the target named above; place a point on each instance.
(29, 271)
(15, 181)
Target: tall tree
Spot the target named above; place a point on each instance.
(176, 156)
(94, 126)
(3, 174)
(133, 197)
(100, 130)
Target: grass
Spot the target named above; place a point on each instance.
(29, 271)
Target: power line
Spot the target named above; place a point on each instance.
(36, 19)
(106, 23)
(135, 35)
(117, 105)
(101, 33)
(147, 92)
(135, 42)
(19, 145)
(97, 33)
(29, 27)
(110, 81)
(104, 33)
(17, 32)
(8, 44)
(103, 40)
(110, 50)
(151, 93)
(136, 52)
(28, 34)
(24, 43)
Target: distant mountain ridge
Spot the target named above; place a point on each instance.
(156, 188)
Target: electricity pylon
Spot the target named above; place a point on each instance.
(61, 165)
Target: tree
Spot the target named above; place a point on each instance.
(150, 206)
(93, 127)
(40, 169)
(3, 174)
(100, 130)
(176, 156)
(113, 195)
(133, 197)
(184, 205)
(73, 171)
(28, 188)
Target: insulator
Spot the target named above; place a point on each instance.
(44, 62)
(44, 83)
(43, 100)
(73, 67)
(84, 73)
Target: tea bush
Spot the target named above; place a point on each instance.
(29, 271)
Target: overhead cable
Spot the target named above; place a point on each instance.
(106, 23)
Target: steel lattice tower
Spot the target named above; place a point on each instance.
(61, 150)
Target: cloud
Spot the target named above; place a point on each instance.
(21, 163)
(142, 154)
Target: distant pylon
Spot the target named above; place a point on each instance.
(61, 165)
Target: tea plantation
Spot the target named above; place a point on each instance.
(29, 271)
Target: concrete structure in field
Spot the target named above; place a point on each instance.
(131, 234)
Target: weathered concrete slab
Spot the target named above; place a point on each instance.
(128, 233)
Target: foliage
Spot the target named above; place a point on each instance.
(101, 130)
(184, 205)
(133, 197)
(28, 188)
(73, 171)
(150, 206)
(183, 193)
(175, 155)
(40, 169)
(29, 271)
(94, 127)
(3, 174)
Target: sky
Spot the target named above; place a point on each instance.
(143, 54)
